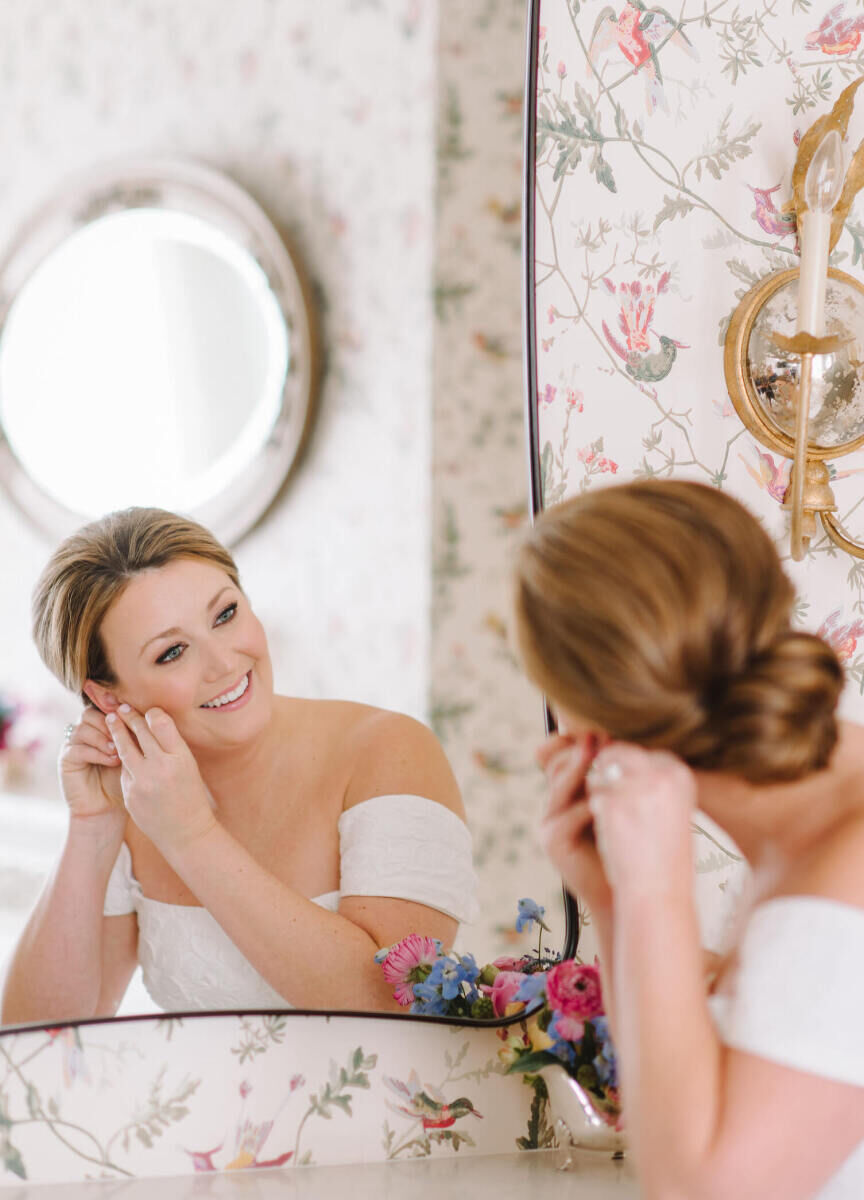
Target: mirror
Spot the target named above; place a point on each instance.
(340, 569)
(156, 309)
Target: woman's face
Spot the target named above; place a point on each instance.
(183, 638)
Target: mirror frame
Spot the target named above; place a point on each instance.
(202, 192)
(572, 919)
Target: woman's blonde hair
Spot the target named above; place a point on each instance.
(659, 611)
(90, 569)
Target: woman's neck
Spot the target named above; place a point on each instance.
(779, 822)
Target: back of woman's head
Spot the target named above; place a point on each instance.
(90, 569)
(659, 612)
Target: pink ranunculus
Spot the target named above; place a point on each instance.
(505, 987)
(402, 963)
(574, 990)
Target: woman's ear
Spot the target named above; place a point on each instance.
(101, 696)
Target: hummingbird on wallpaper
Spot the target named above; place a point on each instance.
(770, 220)
(842, 638)
(434, 1112)
(773, 477)
(645, 367)
(637, 33)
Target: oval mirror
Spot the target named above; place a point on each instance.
(153, 325)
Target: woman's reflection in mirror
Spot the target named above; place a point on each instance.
(248, 849)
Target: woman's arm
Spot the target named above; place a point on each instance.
(71, 961)
(312, 957)
(705, 1122)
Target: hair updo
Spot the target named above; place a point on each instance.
(89, 570)
(659, 611)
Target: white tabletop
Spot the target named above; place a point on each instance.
(552, 1174)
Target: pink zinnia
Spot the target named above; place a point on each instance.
(403, 965)
(574, 991)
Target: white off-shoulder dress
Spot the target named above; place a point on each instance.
(797, 998)
(401, 847)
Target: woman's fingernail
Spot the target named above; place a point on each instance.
(111, 717)
(124, 708)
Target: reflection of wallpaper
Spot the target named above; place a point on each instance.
(328, 120)
(489, 717)
(664, 160)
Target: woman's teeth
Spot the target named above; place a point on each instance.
(229, 696)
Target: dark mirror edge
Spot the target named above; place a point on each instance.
(529, 342)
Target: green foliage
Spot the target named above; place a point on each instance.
(160, 1112)
(335, 1093)
(258, 1035)
(540, 1135)
(673, 206)
(570, 137)
(726, 149)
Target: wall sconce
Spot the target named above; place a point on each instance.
(794, 351)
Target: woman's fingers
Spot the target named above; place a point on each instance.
(568, 825)
(127, 747)
(134, 721)
(566, 769)
(79, 754)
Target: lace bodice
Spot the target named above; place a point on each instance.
(797, 997)
(403, 847)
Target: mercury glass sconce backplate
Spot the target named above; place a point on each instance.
(794, 351)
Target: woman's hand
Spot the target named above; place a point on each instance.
(642, 803)
(89, 770)
(162, 787)
(567, 830)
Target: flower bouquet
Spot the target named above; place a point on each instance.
(564, 1023)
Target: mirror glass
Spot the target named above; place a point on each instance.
(149, 329)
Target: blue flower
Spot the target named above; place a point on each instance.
(529, 912)
(382, 954)
(532, 988)
(607, 1070)
(428, 1000)
(600, 1025)
(449, 974)
(469, 966)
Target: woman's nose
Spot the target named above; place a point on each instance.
(219, 664)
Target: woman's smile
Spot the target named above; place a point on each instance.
(234, 698)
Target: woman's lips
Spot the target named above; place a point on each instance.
(234, 704)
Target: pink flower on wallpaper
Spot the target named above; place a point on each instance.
(548, 394)
(842, 638)
(546, 343)
(542, 32)
(552, 313)
(575, 399)
(562, 70)
(586, 455)
(606, 465)
(296, 1082)
(245, 1088)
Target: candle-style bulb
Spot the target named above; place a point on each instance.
(824, 181)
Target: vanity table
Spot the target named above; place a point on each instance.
(504, 1176)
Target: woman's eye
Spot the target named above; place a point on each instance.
(226, 614)
(171, 654)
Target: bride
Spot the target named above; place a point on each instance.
(658, 620)
(249, 850)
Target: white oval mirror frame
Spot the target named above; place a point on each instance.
(159, 215)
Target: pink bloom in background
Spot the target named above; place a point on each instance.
(606, 464)
(569, 1028)
(506, 963)
(575, 400)
(586, 455)
(574, 991)
(562, 70)
(401, 963)
(552, 314)
(505, 987)
(549, 393)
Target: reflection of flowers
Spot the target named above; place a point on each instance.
(574, 990)
(407, 963)
(529, 912)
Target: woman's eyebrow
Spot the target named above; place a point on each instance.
(174, 629)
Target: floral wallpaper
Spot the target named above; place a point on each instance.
(180, 1096)
(664, 153)
(489, 717)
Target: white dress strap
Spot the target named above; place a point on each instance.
(408, 848)
(120, 894)
(798, 991)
